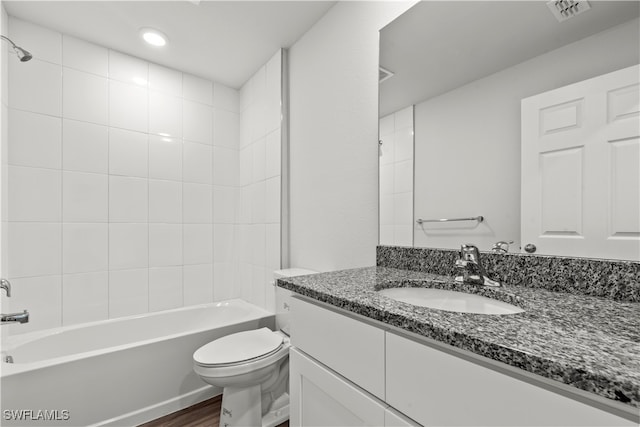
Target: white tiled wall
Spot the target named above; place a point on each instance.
(123, 183)
(259, 181)
(396, 178)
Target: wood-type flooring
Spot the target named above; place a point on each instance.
(203, 414)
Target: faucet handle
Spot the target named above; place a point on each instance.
(4, 284)
(501, 247)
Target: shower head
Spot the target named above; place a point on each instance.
(23, 55)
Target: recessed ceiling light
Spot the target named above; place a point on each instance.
(153, 36)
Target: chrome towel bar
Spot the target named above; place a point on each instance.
(478, 218)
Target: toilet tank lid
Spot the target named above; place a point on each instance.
(291, 272)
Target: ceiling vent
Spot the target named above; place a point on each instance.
(565, 9)
(384, 74)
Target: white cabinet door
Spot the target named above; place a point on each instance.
(321, 398)
(352, 348)
(581, 168)
(436, 388)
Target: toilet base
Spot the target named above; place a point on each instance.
(278, 413)
(242, 406)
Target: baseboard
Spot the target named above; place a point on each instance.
(161, 409)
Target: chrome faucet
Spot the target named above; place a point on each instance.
(470, 268)
(15, 318)
(12, 317)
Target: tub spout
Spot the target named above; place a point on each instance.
(15, 318)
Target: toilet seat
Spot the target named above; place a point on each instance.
(259, 349)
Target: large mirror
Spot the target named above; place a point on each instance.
(453, 75)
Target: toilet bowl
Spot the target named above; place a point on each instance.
(252, 367)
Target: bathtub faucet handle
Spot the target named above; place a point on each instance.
(4, 284)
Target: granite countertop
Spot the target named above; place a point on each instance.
(591, 343)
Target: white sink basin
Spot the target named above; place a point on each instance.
(441, 299)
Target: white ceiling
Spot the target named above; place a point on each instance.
(225, 41)
(438, 46)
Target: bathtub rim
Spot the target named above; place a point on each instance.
(14, 341)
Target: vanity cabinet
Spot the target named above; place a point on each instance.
(352, 348)
(347, 370)
(437, 388)
(337, 371)
(322, 398)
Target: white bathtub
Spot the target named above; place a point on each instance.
(116, 372)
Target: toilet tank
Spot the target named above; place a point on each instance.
(283, 296)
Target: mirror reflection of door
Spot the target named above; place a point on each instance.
(465, 66)
(396, 178)
(581, 168)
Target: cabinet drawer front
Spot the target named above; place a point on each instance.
(437, 388)
(352, 348)
(321, 398)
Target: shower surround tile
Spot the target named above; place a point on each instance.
(128, 199)
(35, 140)
(165, 245)
(198, 201)
(84, 96)
(128, 292)
(126, 168)
(85, 147)
(165, 201)
(128, 153)
(85, 297)
(165, 114)
(84, 56)
(197, 89)
(85, 197)
(36, 249)
(197, 163)
(128, 106)
(226, 128)
(197, 122)
(84, 248)
(34, 194)
(166, 80)
(36, 88)
(165, 158)
(128, 69)
(165, 288)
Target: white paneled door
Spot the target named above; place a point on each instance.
(581, 168)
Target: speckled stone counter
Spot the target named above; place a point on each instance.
(588, 342)
(615, 279)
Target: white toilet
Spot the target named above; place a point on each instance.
(252, 367)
